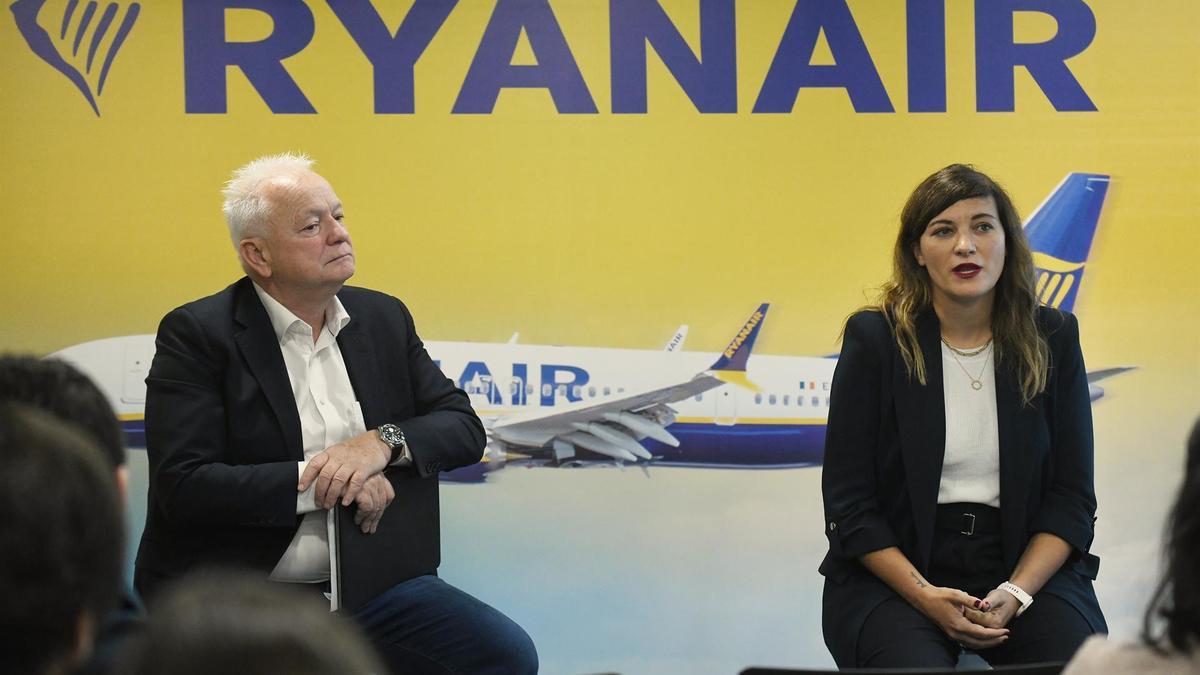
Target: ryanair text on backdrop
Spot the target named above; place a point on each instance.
(709, 79)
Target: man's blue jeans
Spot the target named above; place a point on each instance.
(425, 625)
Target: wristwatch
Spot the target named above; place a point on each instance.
(394, 438)
(1017, 592)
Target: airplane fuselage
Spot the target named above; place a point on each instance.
(780, 425)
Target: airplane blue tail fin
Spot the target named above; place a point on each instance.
(1060, 233)
(731, 365)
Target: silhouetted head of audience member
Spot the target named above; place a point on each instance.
(227, 622)
(61, 543)
(1173, 617)
(61, 389)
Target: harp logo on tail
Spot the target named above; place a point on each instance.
(1055, 279)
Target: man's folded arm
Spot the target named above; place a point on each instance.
(186, 440)
(446, 433)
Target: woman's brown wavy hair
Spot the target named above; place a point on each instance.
(1019, 346)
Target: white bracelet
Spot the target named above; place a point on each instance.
(1022, 597)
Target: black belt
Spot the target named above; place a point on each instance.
(968, 518)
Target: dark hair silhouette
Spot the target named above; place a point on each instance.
(63, 391)
(218, 621)
(1173, 615)
(62, 539)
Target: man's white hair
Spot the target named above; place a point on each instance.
(246, 206)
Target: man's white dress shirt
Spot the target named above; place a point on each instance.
(329, 414)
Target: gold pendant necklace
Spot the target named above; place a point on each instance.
(976, 382)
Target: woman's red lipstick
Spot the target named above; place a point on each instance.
(967, 270)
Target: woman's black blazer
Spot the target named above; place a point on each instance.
(884, 447)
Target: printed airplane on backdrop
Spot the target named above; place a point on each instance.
(582, 406)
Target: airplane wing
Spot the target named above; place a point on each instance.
(616, 415)
(1105, 373)
(613, 426)
(1095, 391)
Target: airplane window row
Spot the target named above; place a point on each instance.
(577, 391)
(786, 399)
(484, 386)
(772, 399)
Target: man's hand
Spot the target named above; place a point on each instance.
(343, 468)
(995, 611)
(375, 496)
(946, 608)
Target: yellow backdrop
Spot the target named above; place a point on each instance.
(612, 229)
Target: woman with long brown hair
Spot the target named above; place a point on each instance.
(958, 482)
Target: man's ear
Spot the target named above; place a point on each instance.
(255, 256)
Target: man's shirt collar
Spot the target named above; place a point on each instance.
(283, 320)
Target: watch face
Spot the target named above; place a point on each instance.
(391, 435)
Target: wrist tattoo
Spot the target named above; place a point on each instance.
(920, 582)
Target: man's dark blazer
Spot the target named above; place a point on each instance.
(884, 447)
(223, 433)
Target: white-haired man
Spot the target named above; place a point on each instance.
(288, 392)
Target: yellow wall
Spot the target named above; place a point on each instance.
(596, 229)
(588, 229)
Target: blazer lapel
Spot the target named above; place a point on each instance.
(1016, 460)
(260, 348)
(921, 417)
(361, 366)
